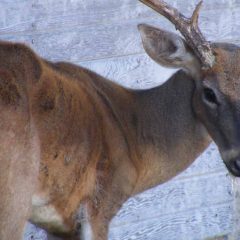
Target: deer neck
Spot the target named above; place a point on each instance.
(170, 137)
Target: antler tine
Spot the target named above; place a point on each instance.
(195, 16)
(188, 28)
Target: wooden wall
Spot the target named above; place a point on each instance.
(102, 35)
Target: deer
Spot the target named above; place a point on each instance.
(75, 146)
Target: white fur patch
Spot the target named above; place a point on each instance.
(86, 229)
(45, 215)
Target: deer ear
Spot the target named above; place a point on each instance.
(168, 49)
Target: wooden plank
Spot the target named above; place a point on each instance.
(176, 196)
(236, 209)
(235, 24)
(48, 15)
(30, 15)
(77, 43)
(195, 224)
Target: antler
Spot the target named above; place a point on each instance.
(188, 28)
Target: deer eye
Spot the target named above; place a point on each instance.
(210, 96)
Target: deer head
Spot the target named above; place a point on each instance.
(213, 66)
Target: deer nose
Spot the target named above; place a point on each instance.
(234, 166)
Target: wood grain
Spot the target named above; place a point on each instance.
(175, 197)
(31, 15)
(76, 42)
(196, 224)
